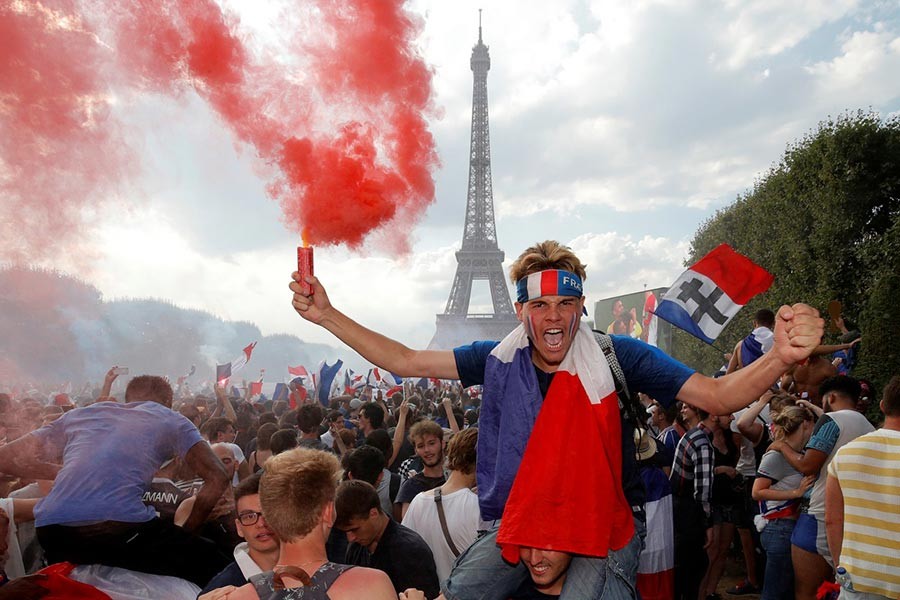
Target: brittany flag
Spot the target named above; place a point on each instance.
(538, 486)
(705, 297)
(225, 371)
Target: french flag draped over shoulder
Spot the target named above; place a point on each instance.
(327, 375)
(225, 371)
(553, 502)
(705, 297)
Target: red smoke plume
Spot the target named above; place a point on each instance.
(338, 126)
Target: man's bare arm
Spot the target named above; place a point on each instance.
(205, 464)
(834, 517)
(378, 349)
(808, 463)
(798, 331)
(22, 458)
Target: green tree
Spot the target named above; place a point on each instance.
(825, 220)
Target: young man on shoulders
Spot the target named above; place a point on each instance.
(517, 375)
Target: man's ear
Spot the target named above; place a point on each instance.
(519, 307)
(329, 514)
(373, 512)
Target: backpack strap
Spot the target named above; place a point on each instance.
(606, 345)
(443, 519)
(393, 486)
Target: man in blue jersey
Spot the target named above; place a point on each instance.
(549, 306)
(109, 453)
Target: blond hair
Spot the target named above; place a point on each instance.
(543, 256)
(789, 420)
(295, 488)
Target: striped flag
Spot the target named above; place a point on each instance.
(656, 569)
(587, 512)
(705, 297)
(225, 371)
(327, 374)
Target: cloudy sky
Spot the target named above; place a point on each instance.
(616, 127)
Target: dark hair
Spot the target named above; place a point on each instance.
(843, 385)
(288, 419)
(381, 440)
(891, 397)
(471, 417)
(374, 414)
(149, 387)
(283, 439)
(309, 417)
(213, 427)
(264, 436)
(267, 417)
(765, 318)
(247, 487)
(365, 463)
(333, 415)
(354, 500)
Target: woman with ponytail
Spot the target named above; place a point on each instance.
(779, 488)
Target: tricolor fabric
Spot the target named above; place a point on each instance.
(353, 381)
(656, 569)
(706, 296)
(382, 379)
(327, 374)
(756, 344)
(225, 371)
(529, 465)
(552, 282)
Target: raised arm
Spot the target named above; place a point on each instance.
(223, 404)
(374, 347)
(748, 424)
(399, 431)
(798, 331)
(108, 381)
(451, 418)
(22, 458)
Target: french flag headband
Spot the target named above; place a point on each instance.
(552, 282)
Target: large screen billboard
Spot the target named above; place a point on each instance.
(632, 314)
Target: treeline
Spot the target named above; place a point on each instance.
(55, 329)
(825, 221)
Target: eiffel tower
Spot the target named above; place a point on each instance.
(479, 258)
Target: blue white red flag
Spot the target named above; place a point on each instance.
(225, 371)
(327, 375)
(656, 569)
(756, 344)
(526, 476)
(705, 297)
(428, 383)
(382, 379)
(353, 381)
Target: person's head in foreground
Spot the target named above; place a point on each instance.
(549, 299)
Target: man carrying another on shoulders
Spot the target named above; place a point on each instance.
(94, 513)
(523, 371)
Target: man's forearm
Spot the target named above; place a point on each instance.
(733, 392)
(204, 502)
(383, 351)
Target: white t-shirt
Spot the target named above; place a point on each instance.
(463, 520)
(746, 464)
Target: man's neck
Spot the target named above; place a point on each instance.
(892, 423)
(264, 560)
(457, 481)
(435, 471)
(384, 520)
(312, 435)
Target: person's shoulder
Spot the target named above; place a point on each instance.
(362, 582)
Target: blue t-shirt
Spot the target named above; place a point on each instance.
(647, 369)
(110, 452)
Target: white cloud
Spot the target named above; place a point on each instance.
(857, 74)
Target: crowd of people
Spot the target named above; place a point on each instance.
(586, 466)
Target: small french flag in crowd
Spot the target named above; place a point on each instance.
(225, 371)
(705, 297)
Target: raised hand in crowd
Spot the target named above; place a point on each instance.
(111, 376)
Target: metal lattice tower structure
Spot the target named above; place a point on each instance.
(479, 258)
